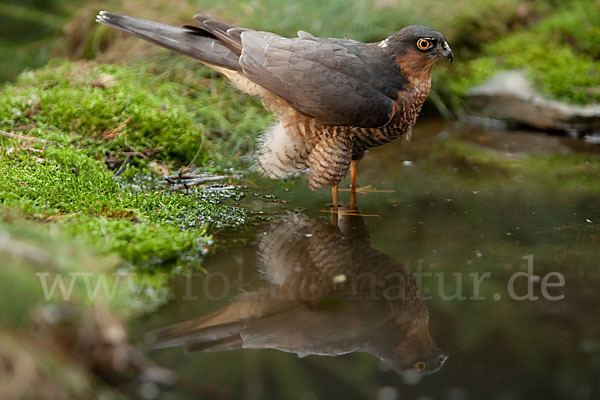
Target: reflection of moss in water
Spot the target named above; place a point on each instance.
(483, 206)
(574, 174)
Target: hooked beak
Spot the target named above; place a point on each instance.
(447, 52)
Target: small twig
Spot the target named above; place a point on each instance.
(153, 151)
(195, 180)
(139, 154)
(11, 150)
(143, 154)
(31, 149)
(123, 164)
(216, 189)
(131, 154)
(113, 133)
(50, 218)
(21, 137)
(18, 136)
(26, 127)
(192, 176)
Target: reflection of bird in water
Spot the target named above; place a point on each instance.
(331, 293)
(333, 98)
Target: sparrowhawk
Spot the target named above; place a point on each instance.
(333, 98)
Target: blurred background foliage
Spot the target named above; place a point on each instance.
(554, 41)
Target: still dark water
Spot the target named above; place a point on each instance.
(467, 269)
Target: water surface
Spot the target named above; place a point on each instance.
(467, 269)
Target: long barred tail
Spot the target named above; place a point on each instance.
(280, 153)
(196, 42)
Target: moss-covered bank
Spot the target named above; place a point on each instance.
(73, 127)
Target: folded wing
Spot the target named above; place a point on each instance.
(334, 81)
(337, 82)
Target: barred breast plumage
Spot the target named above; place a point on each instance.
(298, 143)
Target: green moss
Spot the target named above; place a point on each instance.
(78, 108)
(559, 54)
(577, 24)
(555, 69)
(90, 202)
(69, 101)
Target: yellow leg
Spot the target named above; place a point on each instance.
(334, 195)
(353, 168)
(334, 199)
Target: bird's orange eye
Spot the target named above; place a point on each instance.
(423, 44)
(420, 366)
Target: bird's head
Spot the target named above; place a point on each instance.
(407, 347)
(414, 358)
(417, 48)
